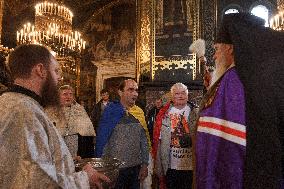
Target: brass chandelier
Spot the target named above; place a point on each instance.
(53, 28)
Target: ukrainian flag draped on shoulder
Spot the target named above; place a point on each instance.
(138, 113)
(110, 118)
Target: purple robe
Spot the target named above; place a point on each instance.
(221, 135)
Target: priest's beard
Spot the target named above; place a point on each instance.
(49, 93)
(221, 68)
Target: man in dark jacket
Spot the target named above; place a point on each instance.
(151, 117)
(99, 108)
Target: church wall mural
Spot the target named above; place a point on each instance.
(174, 27)
(111, 34)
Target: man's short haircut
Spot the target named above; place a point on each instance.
(25, 57)
(104, 91)
(158, 98)
(65, 87)
(179, 86)
(122, 84)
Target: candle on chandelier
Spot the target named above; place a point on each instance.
(18, 36)
(58, 10)
(22, 33)
(84, 44)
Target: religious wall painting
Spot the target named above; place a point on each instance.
(178, 12)
(174, 32)
(174, 27)
(112, 34)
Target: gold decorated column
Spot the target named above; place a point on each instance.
(145, 42)
(1, 17)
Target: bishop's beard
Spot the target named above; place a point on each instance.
(50, 93)
(219, 71)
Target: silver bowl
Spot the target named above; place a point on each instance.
(109, 167)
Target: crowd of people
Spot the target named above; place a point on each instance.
(232, 140)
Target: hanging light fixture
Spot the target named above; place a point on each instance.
(53, 28)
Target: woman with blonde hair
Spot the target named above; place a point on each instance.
(73, 124)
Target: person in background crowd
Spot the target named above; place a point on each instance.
(33, 154)
(151, 117)
(5, 79)
(123, 134)
(73, 124)
(113, 94)
(239, 141)
(172, 142)
(99, 108)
